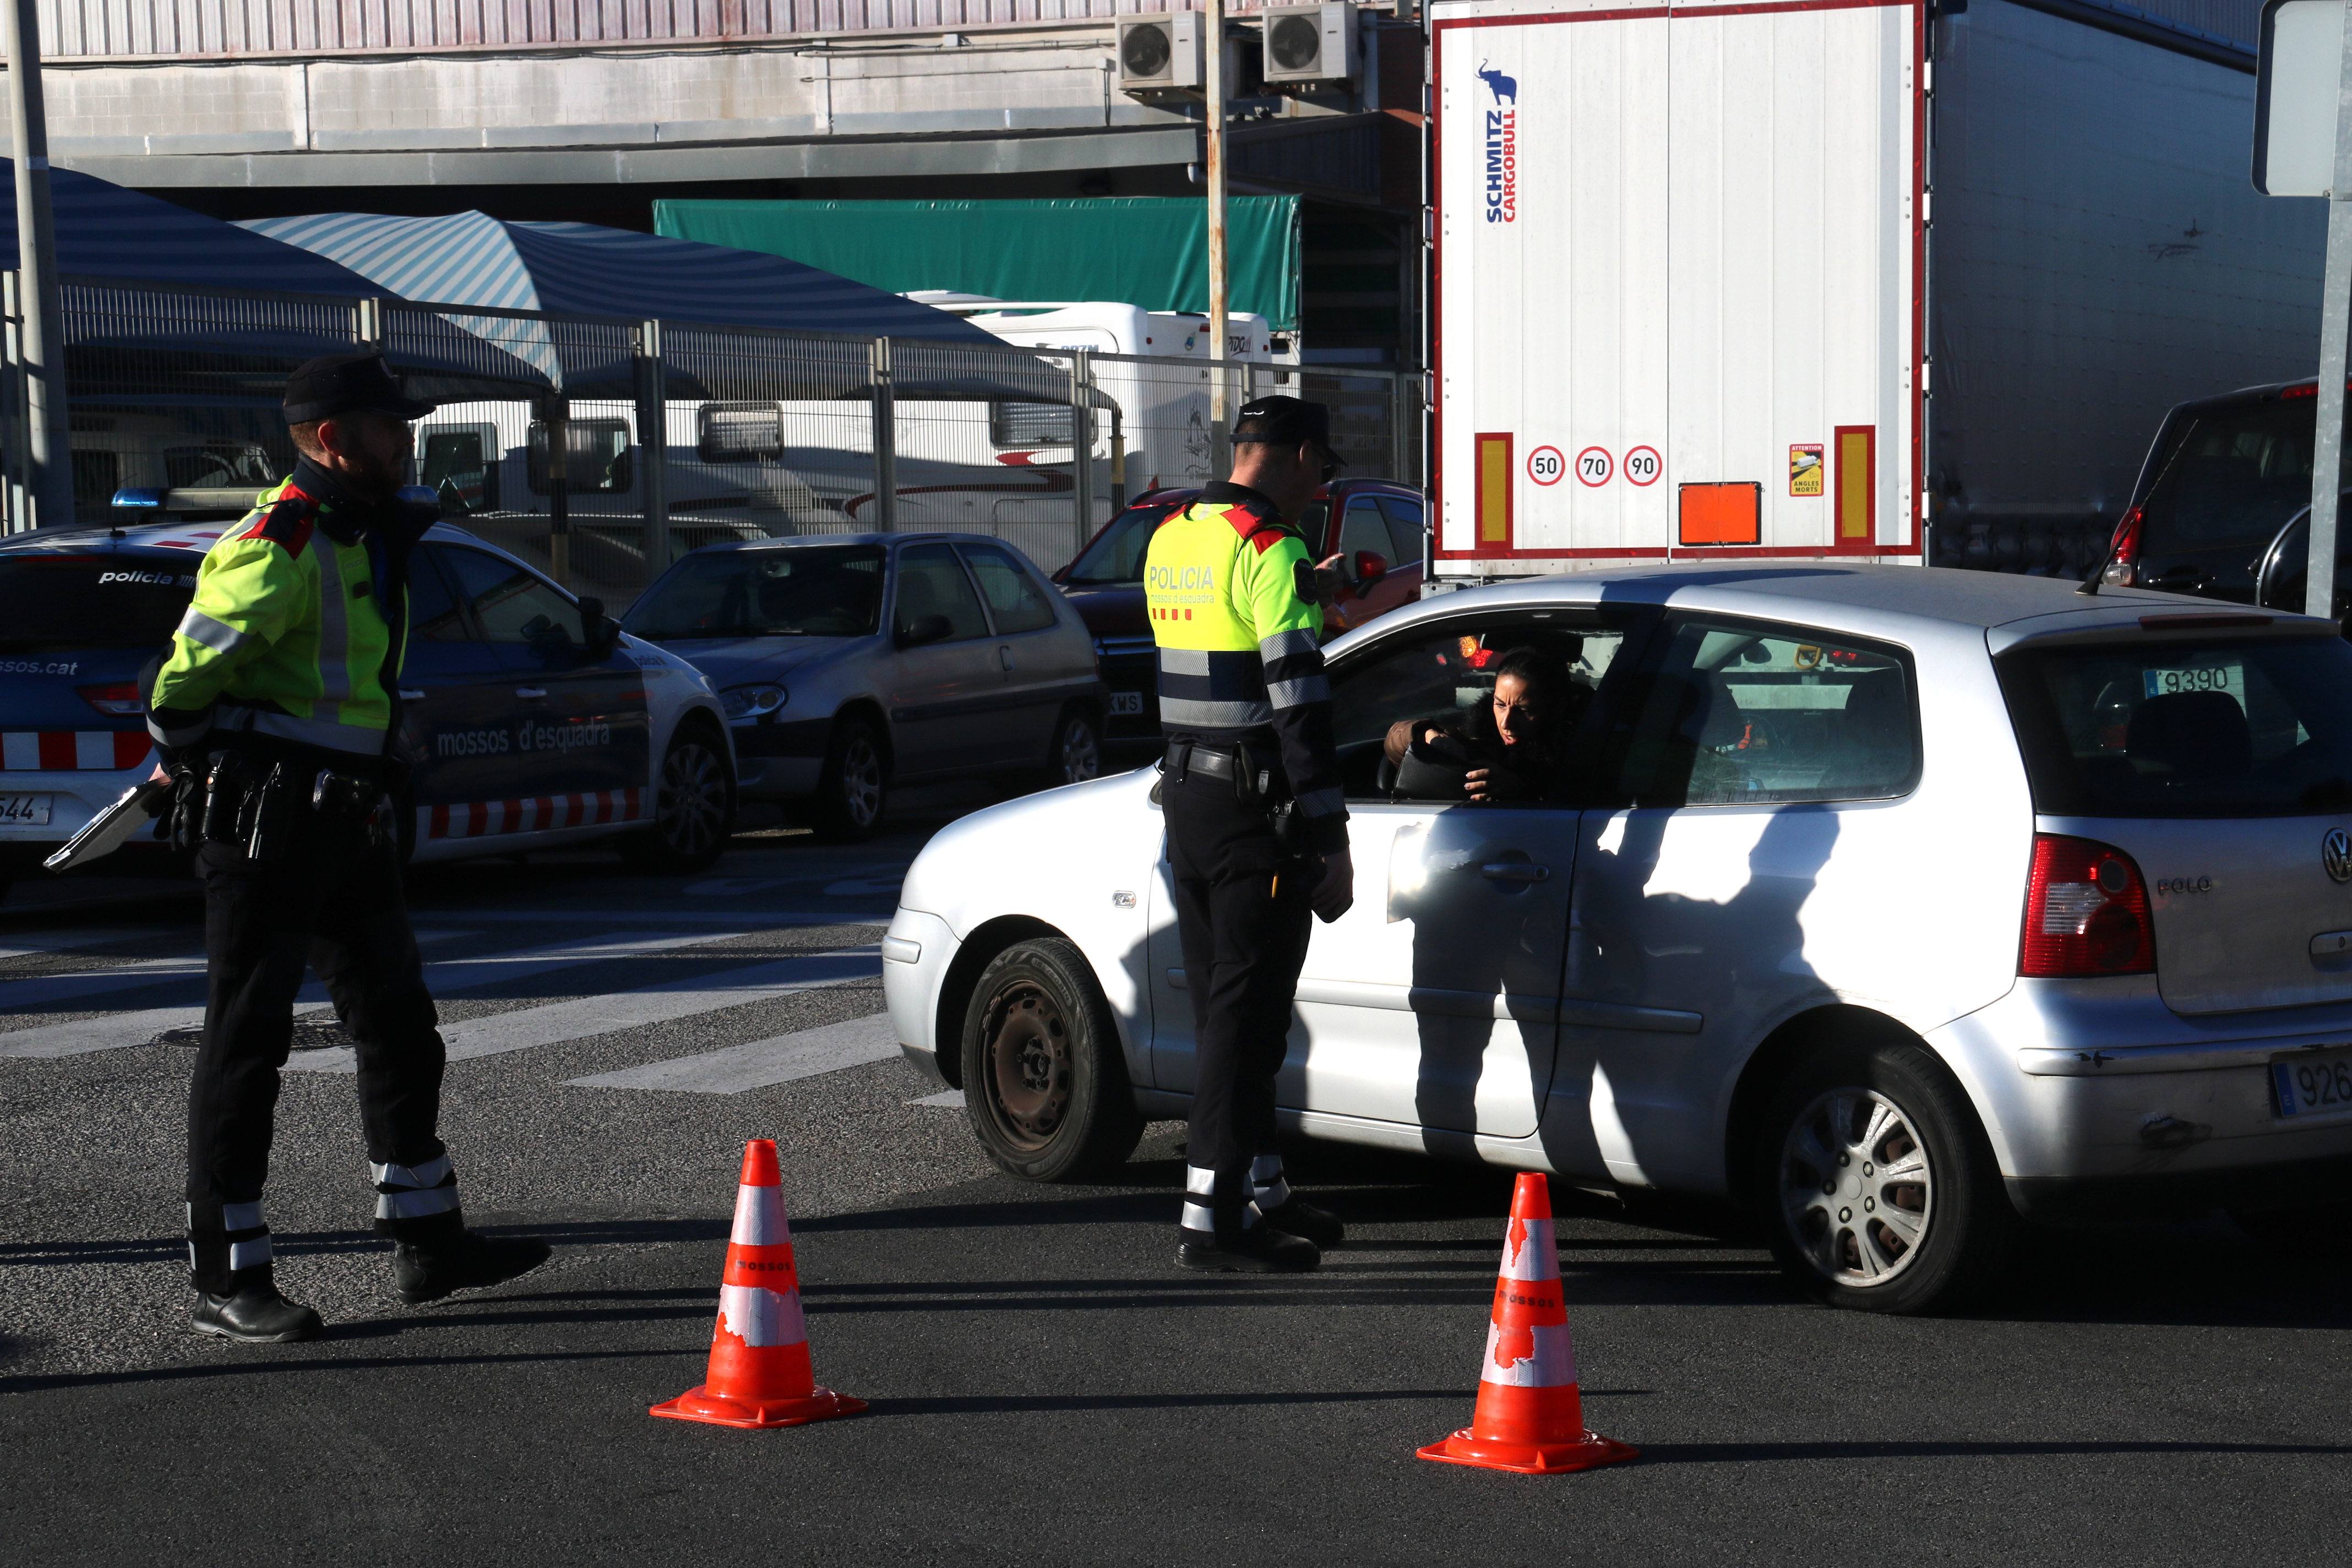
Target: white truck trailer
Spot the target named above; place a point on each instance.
(1856, 278)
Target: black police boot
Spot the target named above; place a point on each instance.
(1259, 1249)
(427, 1270)
(1299, 1217)
(254, 1314)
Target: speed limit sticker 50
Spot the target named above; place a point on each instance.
(1595, 465)
(1546, 465)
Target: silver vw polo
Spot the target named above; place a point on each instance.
(849, 663)
(1894, 903)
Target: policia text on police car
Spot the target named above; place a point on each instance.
(1257, 824)
(276, 710)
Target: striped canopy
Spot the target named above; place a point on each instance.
(471, 258)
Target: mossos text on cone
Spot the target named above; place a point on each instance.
(760, 1373)
(1530, 1415)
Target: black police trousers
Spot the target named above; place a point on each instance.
(330, 901)
(1243, 917)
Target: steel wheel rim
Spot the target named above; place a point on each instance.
(861, 781)
(1857, 1187)
(1081, 755)
(1029, 1065)
(692, 800)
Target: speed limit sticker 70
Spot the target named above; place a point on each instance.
(1594, 465)
(1546, 465)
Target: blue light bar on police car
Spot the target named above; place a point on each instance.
(138, 496)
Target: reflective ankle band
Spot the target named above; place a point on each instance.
(1267, 1184)
(415, 1192)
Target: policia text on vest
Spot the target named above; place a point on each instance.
(1256, 820)
(275, 709)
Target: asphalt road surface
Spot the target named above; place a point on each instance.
(1045, 1386)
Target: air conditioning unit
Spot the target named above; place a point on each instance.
(1160, 52)
(1310, 42)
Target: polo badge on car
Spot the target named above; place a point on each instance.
(2335, 854)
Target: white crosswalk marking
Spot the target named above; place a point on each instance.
(118, 1030)
(762, 1063)
(586, 1016)
(768, 917)
(27, 946)
(949, 1099)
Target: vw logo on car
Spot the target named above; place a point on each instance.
(2335, 854)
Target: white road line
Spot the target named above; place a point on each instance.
(116, 1031)
(786, 1058)
(586, 1016)
(767, 918)
(46, 992)
(67, 940)
(952, 1100)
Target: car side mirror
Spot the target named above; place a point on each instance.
(1370, 567)
(600, 634)
(924, 629)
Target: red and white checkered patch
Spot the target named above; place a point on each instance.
(72, 751)
(534, 814)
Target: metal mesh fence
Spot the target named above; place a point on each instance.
(675, 435)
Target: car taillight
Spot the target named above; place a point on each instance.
(2123, 551)
(117, 699)
(2085, 912)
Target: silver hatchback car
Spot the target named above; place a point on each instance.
(851, 663)
(1895, 903)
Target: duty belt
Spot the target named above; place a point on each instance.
(1251, 779)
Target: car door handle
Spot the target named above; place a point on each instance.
(408, 696)
(1515, 871)
(531, 693)
(1004, 657)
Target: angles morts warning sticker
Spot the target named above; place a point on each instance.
(1805, 472)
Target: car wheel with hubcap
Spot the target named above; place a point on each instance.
(1076, 755)
(1044, 1082)
(853, 788)
(1875, 1185)
(694, 806)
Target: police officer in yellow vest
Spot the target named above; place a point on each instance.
(276, 710)
(1257, 824)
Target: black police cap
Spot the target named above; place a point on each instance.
(340, 384)
(1281, 421)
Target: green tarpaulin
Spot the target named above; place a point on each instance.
(1150, 251)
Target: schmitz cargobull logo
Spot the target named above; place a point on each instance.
(1502, 145)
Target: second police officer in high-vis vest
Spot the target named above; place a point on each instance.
(1256, 820)
(275, 709)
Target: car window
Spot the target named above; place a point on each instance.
(820, 591)
(1404, 529)
(461, 462)
(2232, 478)
(932, 582)
(1311, 519)
(512, 605)
(52, 603)
(1117, 552)
(217, 465)
(433, 614)
(600, 456)
(1734, 713)
(1361, 527)
(2247, 726)
(1015, 603)
(1443, 677)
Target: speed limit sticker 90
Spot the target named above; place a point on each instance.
(1546, 465)
(1641, 465)
(1595, 465)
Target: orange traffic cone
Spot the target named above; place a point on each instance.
(1529, 1416)
(760, 1373)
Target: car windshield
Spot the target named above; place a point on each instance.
(828, 590)
(2243, 727)
(2232, 478)
(1116, 556)
(217, 464)
(56, 602)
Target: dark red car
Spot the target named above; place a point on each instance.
(1368, 531)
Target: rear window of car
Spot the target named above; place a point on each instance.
(2245, 727)
(2231, 477)
(824, 591)
(60, 602)
(1116, 556)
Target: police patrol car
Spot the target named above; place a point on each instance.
(531, 720)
